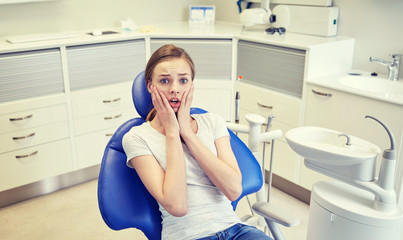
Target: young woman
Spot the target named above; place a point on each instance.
(186, 161)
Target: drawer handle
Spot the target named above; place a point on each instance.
(321, 93)
(27, 155)
(109, 134)
(21, 118)
(114, 117)
(264, 106)
(24, 137)
(111, 101)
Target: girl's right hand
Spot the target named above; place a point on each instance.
(166, 114)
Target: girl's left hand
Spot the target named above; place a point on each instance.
(184, 118)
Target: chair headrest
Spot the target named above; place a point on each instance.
(141, 97)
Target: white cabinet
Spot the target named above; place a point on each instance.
(346, 112)
(97, 113)
(35, 140)
(100, 79)
(286, 110)
(272, 80)
(34, 129)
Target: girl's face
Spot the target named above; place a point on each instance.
(173, 78)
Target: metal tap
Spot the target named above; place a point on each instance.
(393, 65)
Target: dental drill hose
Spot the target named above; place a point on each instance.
(387, 171)
(269, 120)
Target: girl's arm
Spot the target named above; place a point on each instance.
(168, 187)
(222, 169)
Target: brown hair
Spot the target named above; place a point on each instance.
(162, 54)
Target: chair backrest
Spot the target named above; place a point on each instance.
(123, 200)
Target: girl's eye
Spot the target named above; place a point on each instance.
(164, 81)
(184, 80)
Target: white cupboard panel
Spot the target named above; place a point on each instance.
(103, 121)
(33, 164)
(30, 74)
(212, 57)
(33, 136)
(91, 147)
(103, 99)
(32, 118)
(100, 64)
(265, 102)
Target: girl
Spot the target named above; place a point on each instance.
(186, 161)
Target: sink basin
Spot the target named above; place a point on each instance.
(372, 84)
(326, 152)
(322, 144)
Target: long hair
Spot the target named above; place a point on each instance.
(162, 54)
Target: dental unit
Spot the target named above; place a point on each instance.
(361, 206)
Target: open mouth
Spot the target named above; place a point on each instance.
(174, 102)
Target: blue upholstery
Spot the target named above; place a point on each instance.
(123, 200)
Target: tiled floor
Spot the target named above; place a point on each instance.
(73, 214)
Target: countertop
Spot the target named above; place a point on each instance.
(220, 30)
(332, 81)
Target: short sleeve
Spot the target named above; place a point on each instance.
(220, 127)
(134, 146)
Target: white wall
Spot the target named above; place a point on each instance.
(66, 15)
(377, 26)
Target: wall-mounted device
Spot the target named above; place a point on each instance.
(321, 21)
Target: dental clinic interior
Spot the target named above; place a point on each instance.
(313, 88)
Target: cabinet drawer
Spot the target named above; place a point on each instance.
(32, 118)
(33, 136)
(33, 164)
(103, 121)
(99, 100)
(265, 102)
(91, 147)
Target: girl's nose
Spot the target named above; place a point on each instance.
(174, 88)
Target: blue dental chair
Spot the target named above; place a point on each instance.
(123, 200)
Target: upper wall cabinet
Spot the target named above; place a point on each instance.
(30, 74)
(105, 63)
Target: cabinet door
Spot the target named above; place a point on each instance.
(346, 112)
(212, 57)
(91, 147)
(272, 67)
(286, 110)
(105, 63)
(35, 163)
(30, 74)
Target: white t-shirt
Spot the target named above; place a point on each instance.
(209, 210)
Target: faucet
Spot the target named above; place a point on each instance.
(393, 65)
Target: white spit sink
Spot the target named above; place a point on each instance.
(373, 84)
(326, 151)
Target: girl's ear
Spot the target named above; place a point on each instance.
(149, 86)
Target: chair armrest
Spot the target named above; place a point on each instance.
(275, 214)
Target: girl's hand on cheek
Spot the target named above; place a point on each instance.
(165, 113)
(184, 110)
